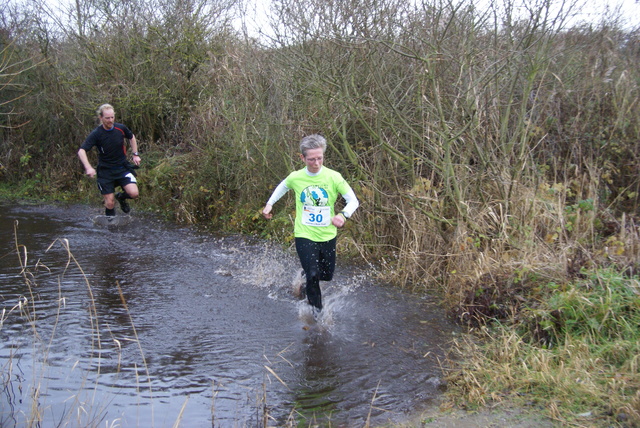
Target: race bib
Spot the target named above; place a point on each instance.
(316, 216)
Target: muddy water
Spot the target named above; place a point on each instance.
(209, 333)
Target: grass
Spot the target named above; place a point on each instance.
(25, 378)
(583, 371)
(81, 408)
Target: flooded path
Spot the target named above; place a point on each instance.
(210, 334)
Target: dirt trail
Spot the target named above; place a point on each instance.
(500, 417)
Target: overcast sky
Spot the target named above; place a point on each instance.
(593, 10)
(257, 12)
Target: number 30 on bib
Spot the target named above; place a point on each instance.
(316, 216)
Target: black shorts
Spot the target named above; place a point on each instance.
(110, 178)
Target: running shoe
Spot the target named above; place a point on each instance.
(124, 205)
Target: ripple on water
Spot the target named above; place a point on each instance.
(209, 323)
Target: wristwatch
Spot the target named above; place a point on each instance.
(136, 154)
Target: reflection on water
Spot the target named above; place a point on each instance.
(150, 324)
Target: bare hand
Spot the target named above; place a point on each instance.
(338, 220)
(90, 172)
(266, 211)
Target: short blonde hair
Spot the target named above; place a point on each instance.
(104, 107)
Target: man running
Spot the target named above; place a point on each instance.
(316, 190)
(113, 167)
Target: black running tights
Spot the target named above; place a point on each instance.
(318, 259)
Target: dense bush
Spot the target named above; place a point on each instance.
(472, 136)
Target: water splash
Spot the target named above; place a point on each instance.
(208, 312)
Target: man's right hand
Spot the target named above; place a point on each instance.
(88, 169)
